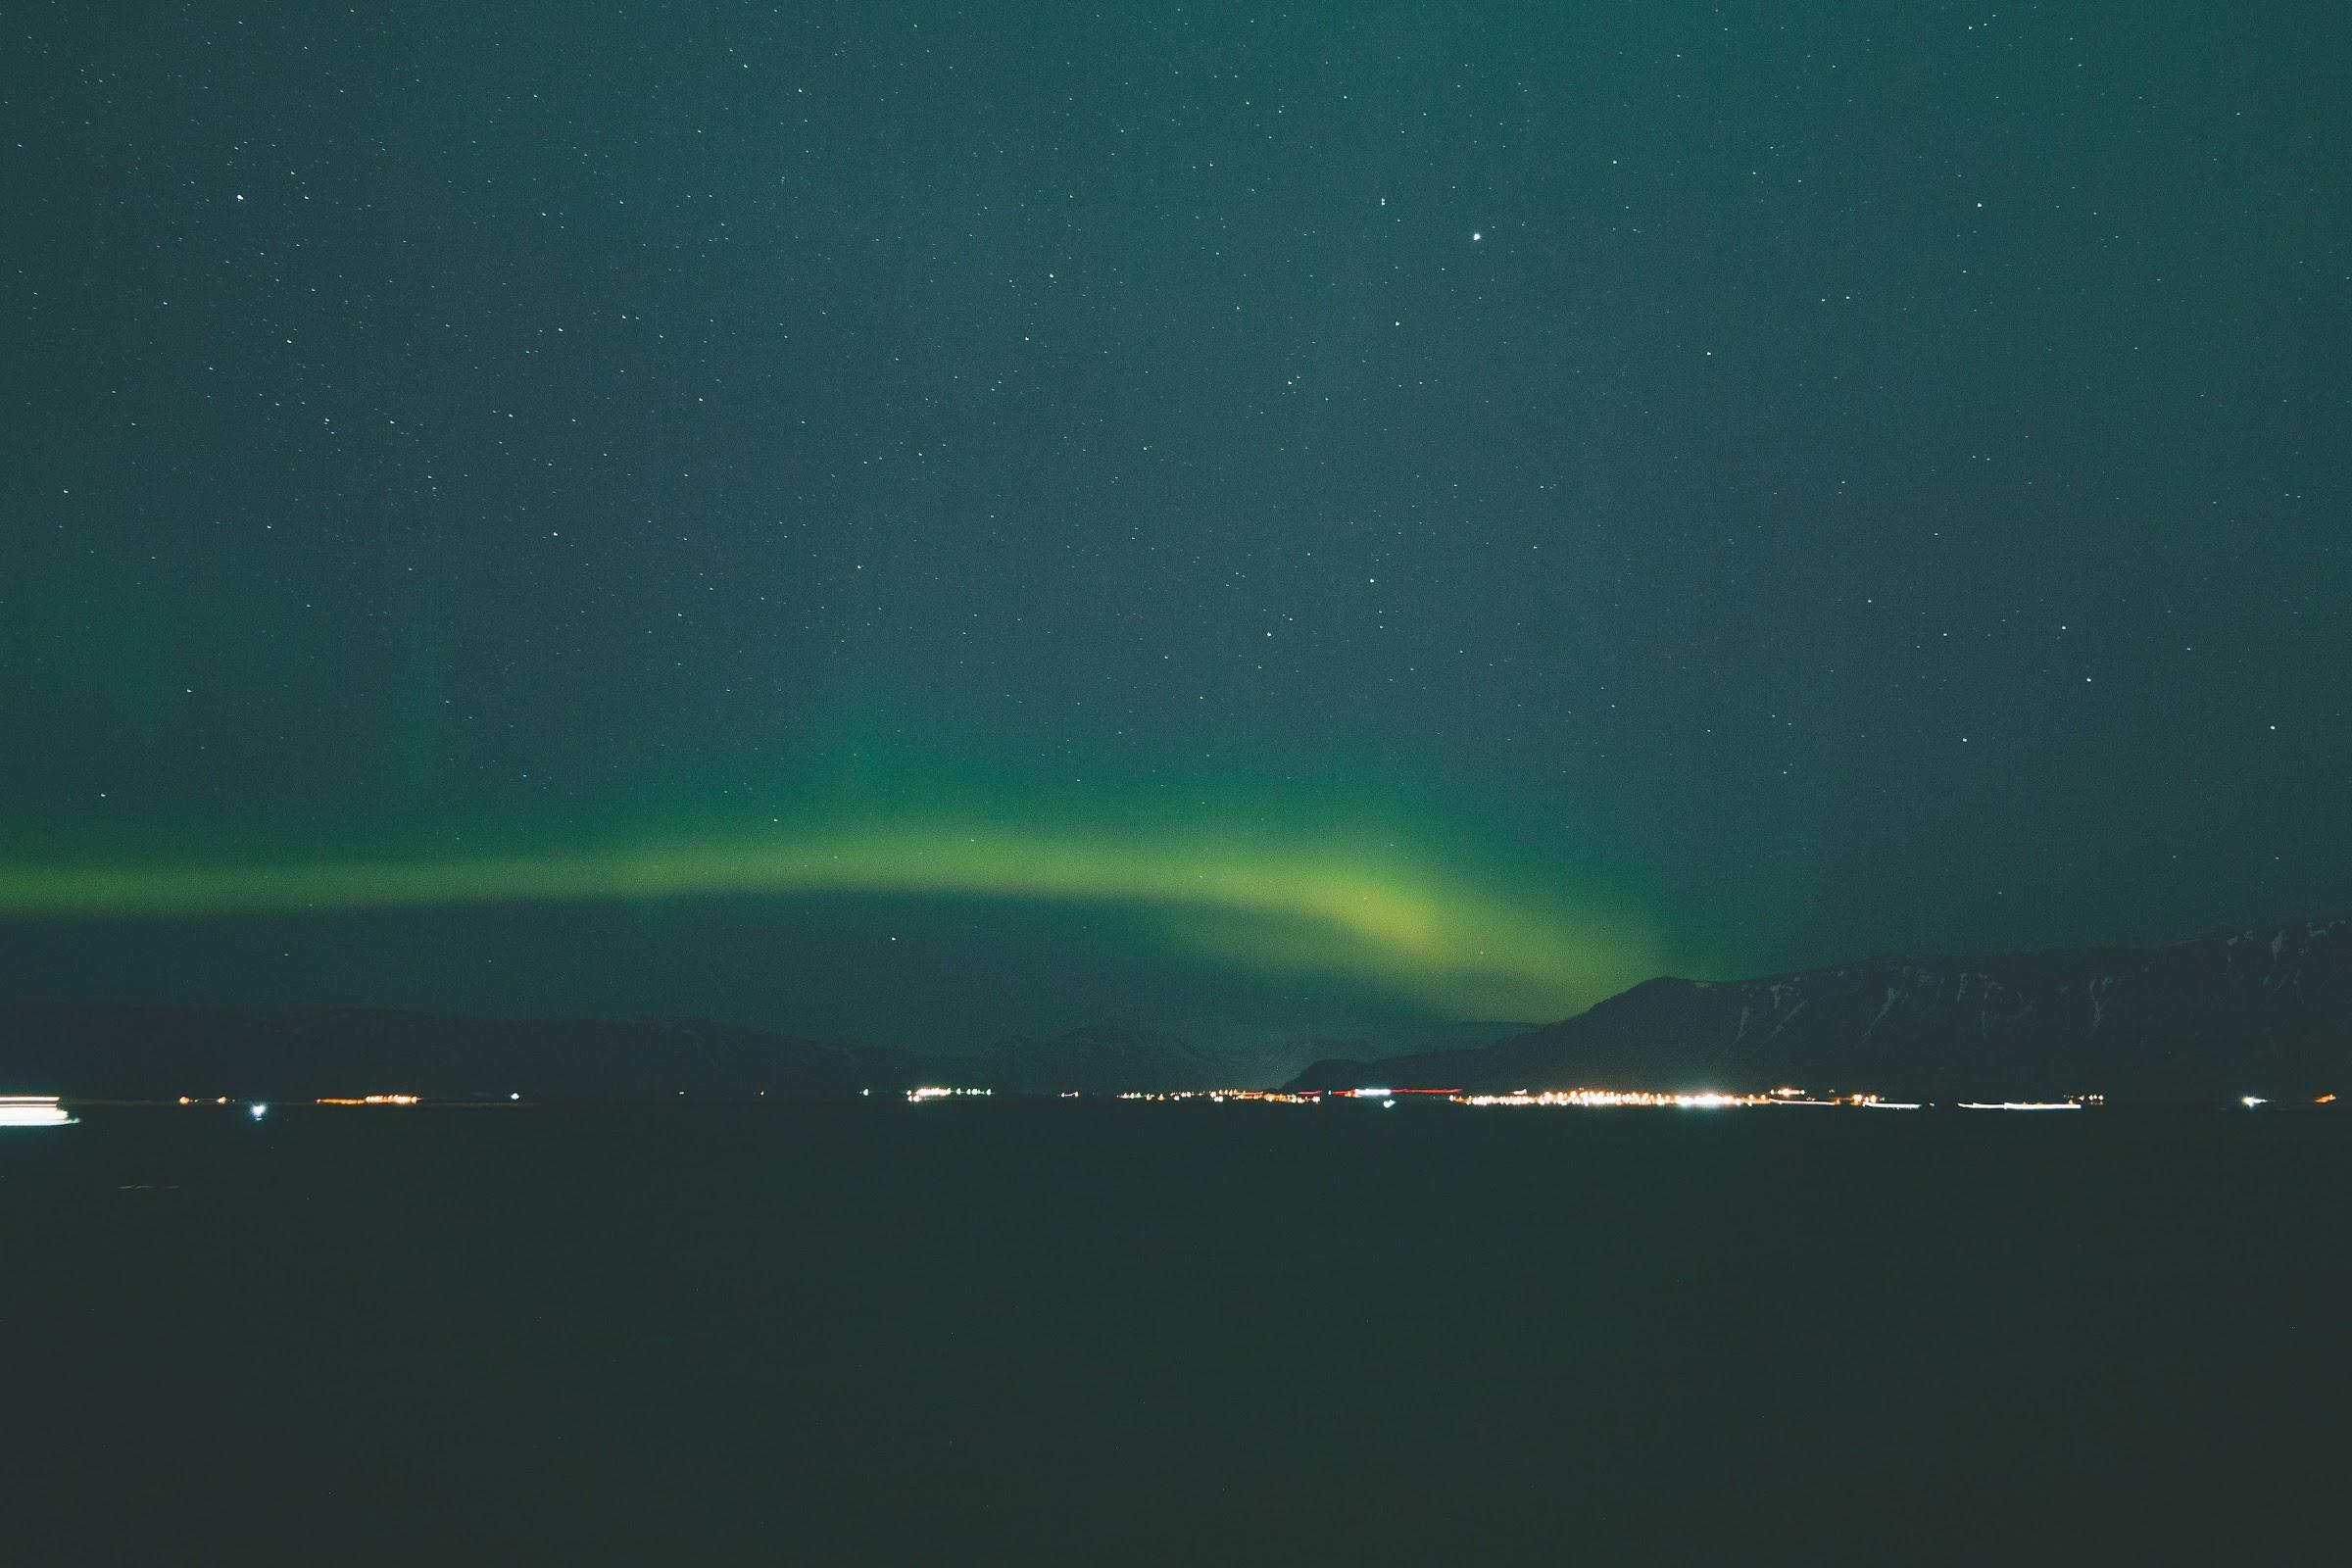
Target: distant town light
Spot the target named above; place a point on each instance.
(2251, 1101)
(1707, 1099)
(257, 1110)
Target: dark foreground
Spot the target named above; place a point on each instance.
(1026, 1331)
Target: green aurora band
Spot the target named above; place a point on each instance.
(1438, 936)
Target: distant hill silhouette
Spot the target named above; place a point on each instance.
(103, 1051)
(2264, 1010)
(1104, 1058)
(129, 1051)
(1099, 1060)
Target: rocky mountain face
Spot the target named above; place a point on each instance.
(2265, 1010)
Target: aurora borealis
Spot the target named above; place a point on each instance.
(1420, 934)
(917, 520)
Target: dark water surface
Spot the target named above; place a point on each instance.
(1016, 1332)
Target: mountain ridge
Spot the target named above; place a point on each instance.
(2254, 1010)
(2263, 1010)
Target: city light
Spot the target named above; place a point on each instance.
(23, 1110)
(1219, 1096)
(33, 1110)
(1597, 1098)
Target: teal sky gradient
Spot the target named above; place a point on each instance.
(1450, 512)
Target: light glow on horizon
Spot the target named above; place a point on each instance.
(1705, 1100)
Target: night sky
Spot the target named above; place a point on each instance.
(912, 523)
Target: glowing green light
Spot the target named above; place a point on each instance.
(1433, 933)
